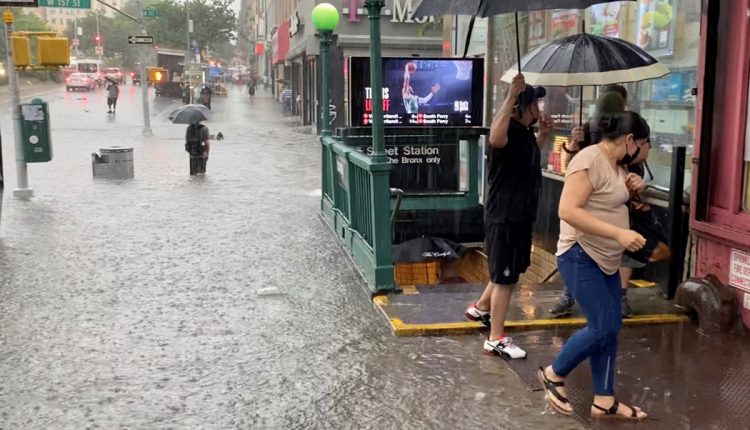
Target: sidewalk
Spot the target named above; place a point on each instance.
(439, 309)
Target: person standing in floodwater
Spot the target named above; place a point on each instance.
(514, 180)
(198, 147)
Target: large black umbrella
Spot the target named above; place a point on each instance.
(427, 248)
(587, 59)
(190, 114)
(486, 8)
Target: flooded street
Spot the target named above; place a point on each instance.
(216, 302)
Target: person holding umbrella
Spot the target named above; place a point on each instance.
(594, 232)
(196, 135)
(514, 178)
(198, 147)
(113, 92)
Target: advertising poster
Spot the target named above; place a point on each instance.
(565, 22)
(605, 19)
(537, 28)
(656, 26)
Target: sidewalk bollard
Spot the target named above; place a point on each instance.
(115, 162)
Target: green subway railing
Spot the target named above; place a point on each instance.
(356, 204)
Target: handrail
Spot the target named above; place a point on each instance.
(399, 193)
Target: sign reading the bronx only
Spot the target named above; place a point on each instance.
(423, 168)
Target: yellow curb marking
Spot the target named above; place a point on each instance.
(641, 283)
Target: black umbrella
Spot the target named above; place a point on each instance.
(111, 79)
(587, 59)
(427, 248)
(486, 8)
(190, 114)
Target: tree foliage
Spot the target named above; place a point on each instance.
(214, 23)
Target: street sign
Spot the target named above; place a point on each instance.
(141, 40)
(151, 13)
(70, 4)
(19, 3)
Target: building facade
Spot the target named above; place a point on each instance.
(58, 19)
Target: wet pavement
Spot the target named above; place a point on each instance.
(219, 302)
(683, 378)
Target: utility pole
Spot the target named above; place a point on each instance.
(99, 49)
(76, 34)
(22, 190)
(144, 78)
(188, 54)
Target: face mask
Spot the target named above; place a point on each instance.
(628, 158)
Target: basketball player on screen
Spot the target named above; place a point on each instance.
(411, 101)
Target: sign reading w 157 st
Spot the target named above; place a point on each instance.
(19, 3)
(141, 40)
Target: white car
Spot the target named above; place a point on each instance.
(79, 81)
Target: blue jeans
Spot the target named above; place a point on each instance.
(600, 299)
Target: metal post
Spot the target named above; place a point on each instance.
(188, 54)
(326, 37)
(376, 79)
(144, 78)
(99, 49)
(75, 35)
(22, 190)
(677, 226)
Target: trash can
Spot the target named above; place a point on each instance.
(115, 162)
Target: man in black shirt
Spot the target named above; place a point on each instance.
(514, 181)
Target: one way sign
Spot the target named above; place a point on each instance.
(141, 40)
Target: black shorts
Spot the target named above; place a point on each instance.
(509, 250)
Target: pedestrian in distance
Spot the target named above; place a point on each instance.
(251, 88)
(113, 92)
(514, 178)
(594, 232)
(198, 147)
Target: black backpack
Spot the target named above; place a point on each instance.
(193, 143)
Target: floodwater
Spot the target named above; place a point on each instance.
(216, 302)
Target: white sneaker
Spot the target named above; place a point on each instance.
(503, 347)
(475, 314)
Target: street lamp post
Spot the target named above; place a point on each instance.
(325, 18)
(376, 79)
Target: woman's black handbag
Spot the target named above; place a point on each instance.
(643, 221)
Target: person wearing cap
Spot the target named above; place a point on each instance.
(514, 180)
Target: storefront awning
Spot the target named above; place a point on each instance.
(280, 43)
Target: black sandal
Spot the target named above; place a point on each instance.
(550, 388)
(612, 412)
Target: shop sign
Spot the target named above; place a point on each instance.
(605, 19)
(739, 270)
(656, 26)
(295, 25)
(402, 11)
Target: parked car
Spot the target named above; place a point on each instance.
(80, 81)
(135, 77)
(116, 74)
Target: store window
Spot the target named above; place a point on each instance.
(668, 29)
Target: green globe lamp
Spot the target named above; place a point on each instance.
(325, 18)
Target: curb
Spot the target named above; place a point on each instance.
(401, 328)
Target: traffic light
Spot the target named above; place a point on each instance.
(157, 74)
(98, 39)
(21, 51)
(53, 51)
